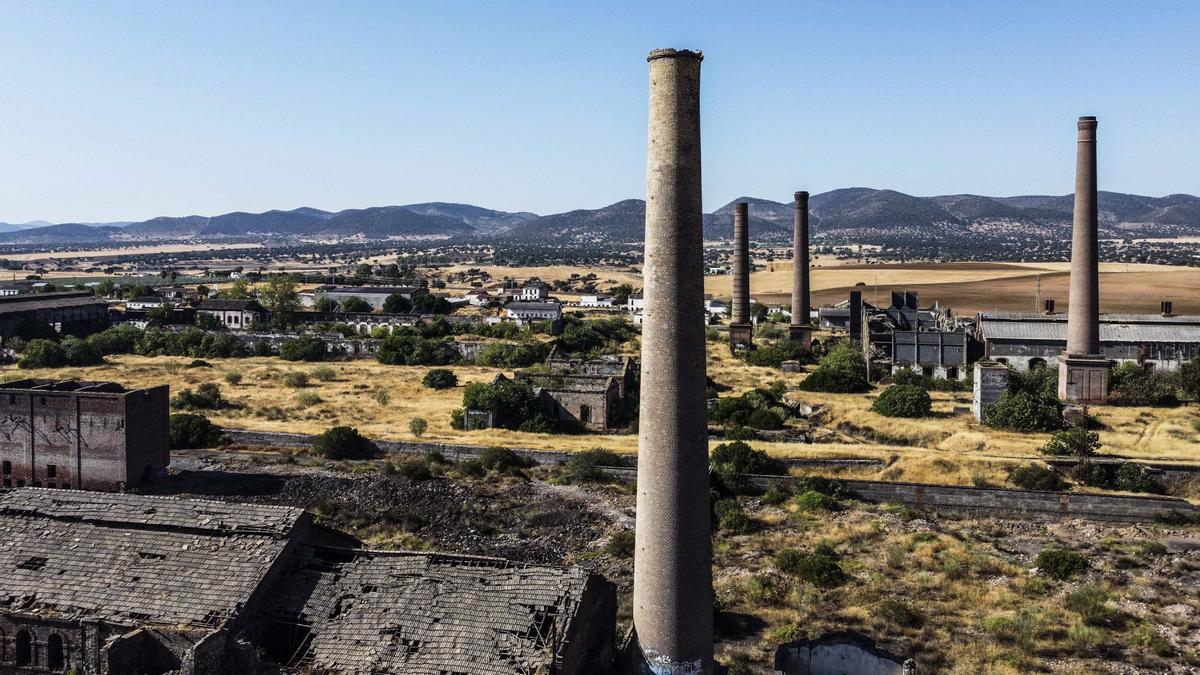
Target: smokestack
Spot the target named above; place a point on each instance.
(1167, 308)
(856, 316)
(801, 328)
(1084, 379)
(1049, 305)
(740, 330)
(672, 576)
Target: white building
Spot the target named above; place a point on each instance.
(596, 301)
(533, 311)
(635, 304)
(235, 314)
(144, 303)
(534, 290)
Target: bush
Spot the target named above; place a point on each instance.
(811, 500)
(903, 400)
(324, 374)
(43, 354)
(1091, 604)
(1073, 440)
(759, 408)
(1037, 477)
(621, 544)
(504, 461)
(1021, 411)
(731, 518)
(585, 467)
(233, 377)
(308, 398)
(821, 568)
(207, 396)
(188, 430)
(406, 348)
(440, 378)
(512, 354)
(296, 380)
(731, 461)
(899, 613)
(1130, 384)
(513, 404)
(417, 426)
(344, 443)
(198, 363)
(1189, 378)
(382, 396)
(784, 350)
(305, 348)
(415, 469)
(1132, 477)
(842, 371)
(1060, 563)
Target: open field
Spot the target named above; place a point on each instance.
(948, 448)
(974, 287)
(109, 254)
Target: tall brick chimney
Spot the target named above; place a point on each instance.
(672, 575)
(801, 328)
(1083, 371)
(741, 332)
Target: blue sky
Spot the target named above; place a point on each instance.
(128, 110)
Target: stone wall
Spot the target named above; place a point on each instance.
(991, 381)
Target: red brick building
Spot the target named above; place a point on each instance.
(81, 435)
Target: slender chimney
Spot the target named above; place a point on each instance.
(801, 328)
(1083, 313)
(1083, 371)
(672, 576)
(740, 331)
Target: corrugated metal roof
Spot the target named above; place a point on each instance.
(1061, 317)
(1109, 332)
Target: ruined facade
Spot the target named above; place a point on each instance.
(196, 586)
(81, 435)
(234, 314)
(906, 336)
(589, 392)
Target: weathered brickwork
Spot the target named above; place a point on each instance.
(81, 435)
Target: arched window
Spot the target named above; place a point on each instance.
(24, 648)
(55, 658)
(1036, 363)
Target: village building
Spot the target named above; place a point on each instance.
(534, 290)
(234, 314)
(589, 392)
(81, 435)
(144, 303)
(526, 312)
(198, 586)
(594, 300)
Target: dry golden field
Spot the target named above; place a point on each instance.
(949, 448)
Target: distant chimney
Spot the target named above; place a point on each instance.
(1049, 305)
(1167, 308)
(740, 330)
(801, 307)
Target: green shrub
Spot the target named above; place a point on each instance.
(1085, 639)
(308, 398)
(513, 404)
(418, 426)
(774, 355)
(207, 396)
(324, 374)
(1021, 411)
(344, 442)
(1060, 563)
(760, 408)
(1146, 637)
(1073, 440)
(187, 430)
(415, 469)
(811, 500)
(382, 396)
(1132, 477)
(903, 400)
(304, 348)
(1130, 384)
(1091, 604)
(512, 354)
(296, 380)
(740, 434)
(842, 370)
(776, 495)
(440, 378)
(233, 377)
(407, 348)
(43, 354)
(504, 461)
(198, 363)
(1037, 477)
(732, 518)
(585, 467)
(731, 461)
(821, 568)
(900, 613)
(621, 544)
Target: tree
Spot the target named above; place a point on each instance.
(1189, 378)
(188, 430)
(1073, 440)
(440, 378)
(325, 305)
(106, 288)
(238, 290)
(363, 270)
(203, 291)
(397, 304)
(356, 306)
(513, 404)
(1131, 384)
(279, 295)
(1022, 411)
(81, 352)
(621, 293)
(843, 370)
(344, 443)
(208, 322)
(903, 400)
(428, 303)
(417, 426)
(43, 354)
(303, 348)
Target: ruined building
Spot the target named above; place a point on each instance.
(741, 331)
(672, 572)
(107, 583)
(1083, 371)
(81, 435)
(589, 392)
(70, 311)
(801, 326)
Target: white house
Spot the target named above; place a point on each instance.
(534, 290)
(533, 311)
(636, 303)
(144, 303)
(235, 314)
(596, 301)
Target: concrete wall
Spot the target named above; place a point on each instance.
(991, 382)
